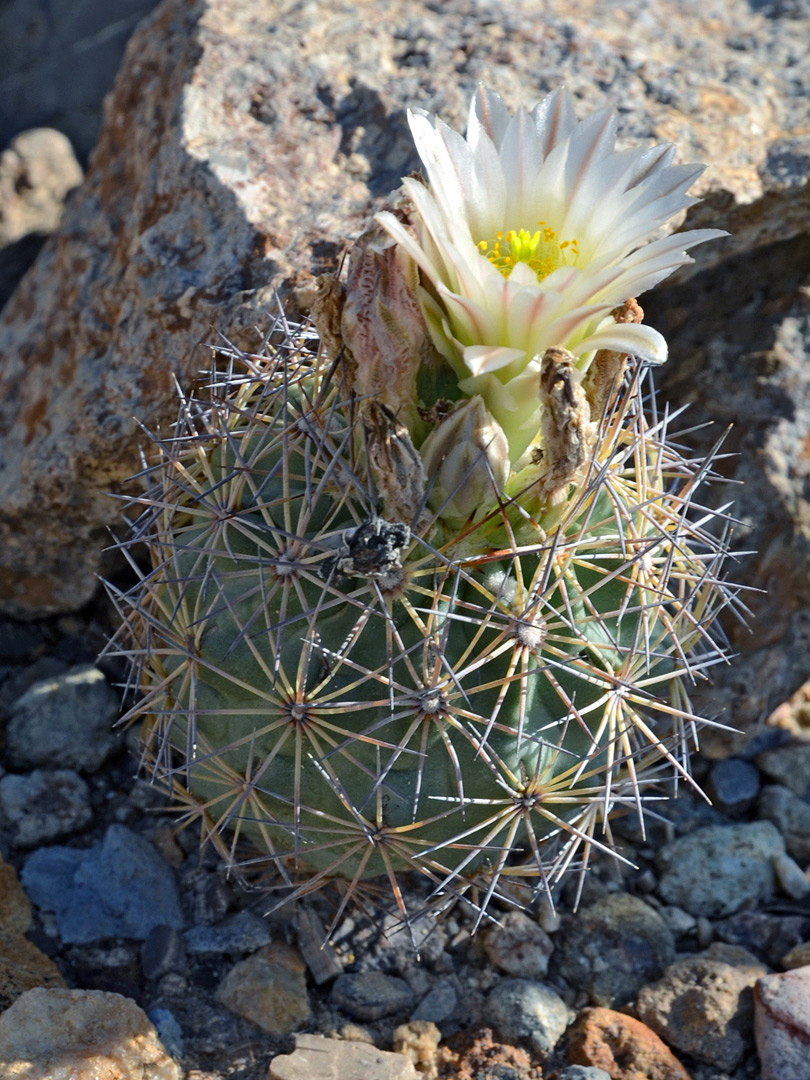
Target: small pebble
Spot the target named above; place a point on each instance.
(740, 857)
(162, 951)
(763, 933)
(790, 877)
(734, 785)
(242, 933)
(547, 915)
(685, 815)
(583, 890)
(44, 804)
(679, 921)
(582, 1072)
(169, 1031)
(419, 980)
(518, 946)
(798, 956)
(418, 1041)
(319, 954)
(613, 948)
(399, 945)
(438, 1004)
(118, 888)
(527, 1013)
(645, 881)
(782, 1024)
(766, 739)
(788, 765)
(269, 988)
(459, 940)
(212, 899)
(791, 816)
(356, 1033)
(370, 995)
(65, 722)
(164, 839)
(705, 931)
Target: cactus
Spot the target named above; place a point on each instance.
(389, 627)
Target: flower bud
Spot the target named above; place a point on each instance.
(466, 459)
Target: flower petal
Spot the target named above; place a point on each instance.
(554, 119)
(635, 339)
(488, 114)
(482, 359)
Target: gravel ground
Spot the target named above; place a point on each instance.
(713, 898)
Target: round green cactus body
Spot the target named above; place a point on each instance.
(431, 595)
(353, 695)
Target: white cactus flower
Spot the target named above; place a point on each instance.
(530, 232)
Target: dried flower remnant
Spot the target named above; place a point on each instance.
(397, 466)
(382, 324)
(567, 429)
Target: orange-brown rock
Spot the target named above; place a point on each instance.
(15, 907)
(625, 1048)
(471, 1054)
(22, 965)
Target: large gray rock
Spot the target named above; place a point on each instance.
(246, 140)
(527, 1012)
(120, 887)
(516, 945)
(65, 721)
(44, 804)
(788, 765)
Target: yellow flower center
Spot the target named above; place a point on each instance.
(542, 250)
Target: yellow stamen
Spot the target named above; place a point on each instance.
(541, 250)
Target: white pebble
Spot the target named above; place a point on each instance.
(678, 920)
(791, 878)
